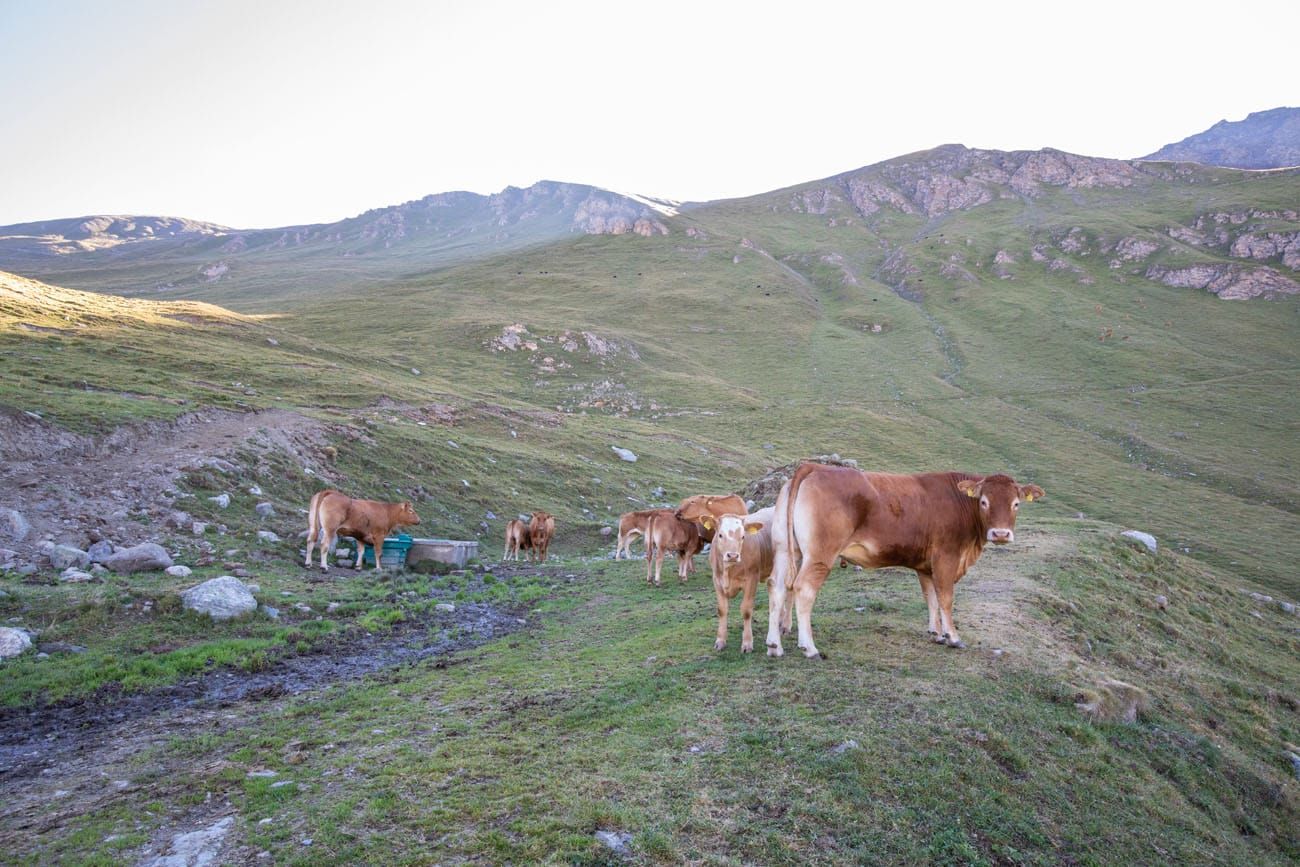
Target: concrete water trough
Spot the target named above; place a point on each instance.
(452, 551)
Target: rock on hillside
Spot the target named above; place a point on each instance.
(85, 234)
(1264, 140)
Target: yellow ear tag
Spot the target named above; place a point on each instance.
(1029, 498)
(971, 492)
(707, 523)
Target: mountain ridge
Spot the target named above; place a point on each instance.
(1262, 140)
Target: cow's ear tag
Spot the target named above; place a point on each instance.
(1029, 498)
(707, 523)
(752, 529)
(971, 492)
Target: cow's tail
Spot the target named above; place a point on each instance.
(795, 481)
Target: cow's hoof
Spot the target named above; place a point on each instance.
(746, 648)
(956, 642)
(775, 650)
(938, 639)
(718, 645)
(324, 568)
(813, 653)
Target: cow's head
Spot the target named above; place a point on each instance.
(729, 534)
(406, 515)
(695, 508)
(999, 501)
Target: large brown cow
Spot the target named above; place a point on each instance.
(741, 556)
(696, 507)
(332, 514)
(541, 529)
(517, 539)
(666, 532)
(934, 523)
(630, 525)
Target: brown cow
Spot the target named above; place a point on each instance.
(517, 539)
(666, 532)
(934, 523)
(630, 525)
(696, 507)
(332, 514)
(540, 531)
(741, 556)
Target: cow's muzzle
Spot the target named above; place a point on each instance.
(1000, 536)
(731, 557)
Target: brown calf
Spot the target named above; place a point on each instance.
(540, 531)
(517, 539)
(936, 524)
(716, 505)
(630, 525)
(741, 556)
(332, 514)
(666, 532)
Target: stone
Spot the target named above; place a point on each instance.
(267, 536)
(222, 500)
(1295, 763)
(100, 551)
(179, 571)
(66, 556)
(1288, 607)
(271, 611)
(1145, 538)
(200, 848)
(254, 491)
(73, 575)
(266, 510)
(445, 607)
(145, 557)
(13, 526)
(606, 531)
(177, 520)
(840, 749)
(198, 528)
(13, 642)
(220, 598)
(616, 841)
(1162, 602)
(60, 647)
(625, 454)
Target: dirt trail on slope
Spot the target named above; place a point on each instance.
(68, 486)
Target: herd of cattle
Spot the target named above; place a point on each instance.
(936, 524)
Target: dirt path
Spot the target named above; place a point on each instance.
(67, 486)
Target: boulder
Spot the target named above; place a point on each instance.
(179, 571)
(220, 598)
(196, 848)
(222, 500)
(67, 557)
(144, 557)
(625, 454)
(177, 520)
(267, 536)
(266, 510)
(13, 526)
(13, 642)
(73, 575)
(100, 551)
(1145, 538)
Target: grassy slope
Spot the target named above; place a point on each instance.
(970, 758)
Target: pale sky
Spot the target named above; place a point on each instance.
(265, 113)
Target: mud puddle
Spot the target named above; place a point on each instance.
(33, 739)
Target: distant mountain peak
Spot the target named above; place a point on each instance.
(1263, 140)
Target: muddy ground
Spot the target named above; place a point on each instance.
(64, 759)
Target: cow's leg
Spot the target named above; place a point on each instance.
(361, 555)
(747, 615)
(313, 532)
(326, 543)
(944, 587)
(932, 601)
(649, 561)
(377, 546)
(811, 577)
(723, 605)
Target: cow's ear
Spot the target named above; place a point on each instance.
(707, 522)
(1029, 493)
(753, 528)
(970, 487)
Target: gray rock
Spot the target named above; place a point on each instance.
(145, 557)
(220, 598)
(1261, 597)
(840, 749)
(13, 526)
(606, 531)
(26, 569)
(302, 607)
(271, 611)
(198, 528)
(179, 571)
(625, 454)
(445, 607)
(267, 536)
(100, 551)
(1162, 602)
(254, 491)
(177, 520)
(616, 841)
(73, 575)
(13, 641)
(266, 510)
(66, 556)
(60, 647)
(1288, 607)
(222, 500)
(1145, 538)
(199, 848)
(1295, 763)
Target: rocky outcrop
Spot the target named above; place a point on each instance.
(1269, 245)
(1230, 282)
(145, 557)
(1132, 249)
(591, 346)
